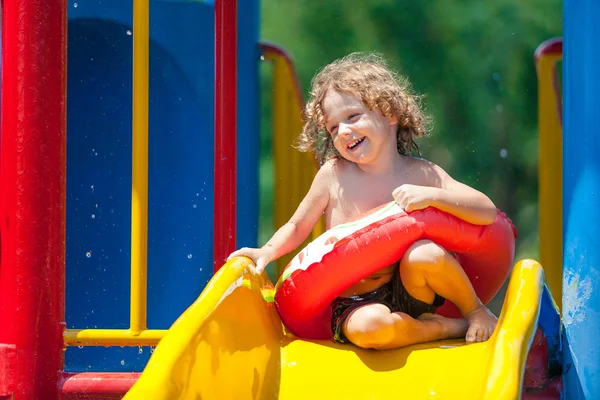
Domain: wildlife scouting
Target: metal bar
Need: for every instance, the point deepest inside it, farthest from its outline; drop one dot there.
(139, 178)
(225, 131)
(33, 194)
(547, 55)
(281, 150)
(112, 337)
(87, 385)
(293, 171)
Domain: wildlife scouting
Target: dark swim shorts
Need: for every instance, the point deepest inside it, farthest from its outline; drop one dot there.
(392, 294)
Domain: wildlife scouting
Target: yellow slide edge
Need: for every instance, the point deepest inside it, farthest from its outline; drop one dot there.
(230, 344)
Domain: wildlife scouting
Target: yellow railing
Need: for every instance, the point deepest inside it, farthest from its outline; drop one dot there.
(293, 170)
(137, 334)
(547, 56)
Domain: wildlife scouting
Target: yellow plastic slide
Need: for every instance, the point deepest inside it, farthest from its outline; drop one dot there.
(231, 344)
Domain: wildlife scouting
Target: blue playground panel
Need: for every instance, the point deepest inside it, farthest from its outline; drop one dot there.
(181, 125)
(581, 197)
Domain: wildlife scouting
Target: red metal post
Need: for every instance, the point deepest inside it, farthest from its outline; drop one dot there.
(225, 130)
(32, 195)
(96, 385)
(554, 47)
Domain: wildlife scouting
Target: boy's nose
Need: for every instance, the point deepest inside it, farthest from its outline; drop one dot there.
(344, 129)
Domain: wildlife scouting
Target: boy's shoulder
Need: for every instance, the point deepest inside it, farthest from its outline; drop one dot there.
(325, 172)
(336, 167)
(335, 164)
(420, 162)
(421, 167)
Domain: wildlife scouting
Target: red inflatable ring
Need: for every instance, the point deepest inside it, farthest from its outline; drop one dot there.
(348, 253)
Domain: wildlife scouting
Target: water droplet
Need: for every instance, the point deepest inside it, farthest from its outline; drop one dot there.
(197, 194)
(262, 58)
(200, 269)
(129, 33)
(93, 216)
(80, 347)
(140, 350)
(189, 256)
(88, 254)
(496, 76)
(152, 349)
(195, 206)
(122, 362)
(75, 5)
(503, 153)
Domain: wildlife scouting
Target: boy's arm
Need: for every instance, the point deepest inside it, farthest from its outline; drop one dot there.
(463, 201)
(438, 189)
(296, 230)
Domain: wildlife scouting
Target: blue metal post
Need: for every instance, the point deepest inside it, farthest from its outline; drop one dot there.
(581, 199)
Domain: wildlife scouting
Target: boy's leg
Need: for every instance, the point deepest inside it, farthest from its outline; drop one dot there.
(427, 269)
(374, 326)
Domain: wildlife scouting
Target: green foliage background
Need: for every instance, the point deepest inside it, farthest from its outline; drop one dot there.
(473, 61)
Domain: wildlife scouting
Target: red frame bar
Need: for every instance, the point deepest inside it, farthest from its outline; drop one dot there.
(101, 385)
(32, 200)
(552, 46)
(225, 131)
(271, 48)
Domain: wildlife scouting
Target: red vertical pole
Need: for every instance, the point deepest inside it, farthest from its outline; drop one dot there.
(32, 200)
(225, 130)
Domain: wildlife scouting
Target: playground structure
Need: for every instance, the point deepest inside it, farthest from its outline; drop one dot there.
(48, 183)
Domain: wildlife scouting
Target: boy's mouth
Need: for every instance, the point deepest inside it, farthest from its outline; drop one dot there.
(355, 143)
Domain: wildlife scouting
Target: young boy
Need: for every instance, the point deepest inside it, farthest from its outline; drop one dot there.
(361, 121)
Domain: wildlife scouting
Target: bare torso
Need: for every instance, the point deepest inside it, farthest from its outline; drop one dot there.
(353, 193)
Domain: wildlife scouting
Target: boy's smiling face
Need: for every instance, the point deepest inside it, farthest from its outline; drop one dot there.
(359, 134)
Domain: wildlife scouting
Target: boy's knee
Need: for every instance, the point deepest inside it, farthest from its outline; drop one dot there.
(370, 327)
(424, 253)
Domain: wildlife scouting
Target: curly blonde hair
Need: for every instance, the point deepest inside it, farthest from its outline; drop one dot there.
(367, 76)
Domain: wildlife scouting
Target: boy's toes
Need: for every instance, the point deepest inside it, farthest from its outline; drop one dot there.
(478, 333)
(487, 334)
(471, 335)
(490, 331)
(481, 325)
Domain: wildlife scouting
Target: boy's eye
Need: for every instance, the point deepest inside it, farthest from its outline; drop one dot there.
(333, 129)
(353, 116)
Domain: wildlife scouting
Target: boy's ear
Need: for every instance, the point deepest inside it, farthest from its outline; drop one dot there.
(393, 120)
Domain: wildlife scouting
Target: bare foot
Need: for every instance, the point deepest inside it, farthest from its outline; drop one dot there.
(453, 327)
(481, 324)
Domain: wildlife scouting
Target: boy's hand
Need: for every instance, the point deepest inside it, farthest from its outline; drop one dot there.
(413, 197)
(261, 257)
